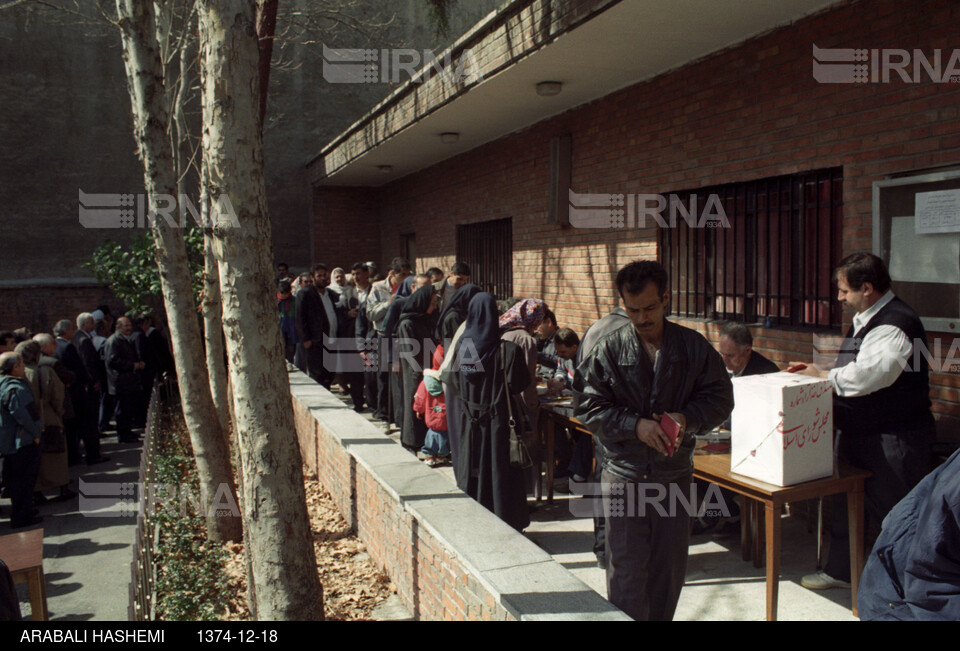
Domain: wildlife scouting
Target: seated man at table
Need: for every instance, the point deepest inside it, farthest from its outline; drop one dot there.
(638, 381)
(881, 402)
(741, 360)
(736, 349)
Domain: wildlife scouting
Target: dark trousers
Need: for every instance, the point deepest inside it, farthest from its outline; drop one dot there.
(316, 368)
(108, 405)
(126, 412)
(20, 472)
(898, 463)
(396, 399)
(646, 553)
(71, 431)
(88, 414)
(143, 401)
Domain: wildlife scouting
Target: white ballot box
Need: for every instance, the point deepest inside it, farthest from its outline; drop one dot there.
(782, 428)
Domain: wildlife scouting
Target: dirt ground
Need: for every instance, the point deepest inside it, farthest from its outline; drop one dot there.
(352, 583)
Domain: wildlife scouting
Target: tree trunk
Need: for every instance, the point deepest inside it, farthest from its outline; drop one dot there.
(212, 322)
(275, 514)
(150, 117)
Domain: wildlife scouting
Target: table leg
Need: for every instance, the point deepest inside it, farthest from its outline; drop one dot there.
(773, 558)
(746, 526)
(855, 523)
(551, 429)
(38, 600)
(756, 516)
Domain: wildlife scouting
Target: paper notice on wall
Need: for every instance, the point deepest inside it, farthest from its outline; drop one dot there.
(920, 258)
(938, 212)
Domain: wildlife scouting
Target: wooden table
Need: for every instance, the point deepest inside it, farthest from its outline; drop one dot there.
(547, 423)
(23, 554)
(715, 468)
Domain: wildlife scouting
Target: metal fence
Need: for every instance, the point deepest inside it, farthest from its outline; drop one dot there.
(143, 572)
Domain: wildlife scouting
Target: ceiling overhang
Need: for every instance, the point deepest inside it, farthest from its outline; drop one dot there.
(616, 45)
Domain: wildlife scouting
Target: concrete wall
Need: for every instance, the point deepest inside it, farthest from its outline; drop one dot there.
(449, 557)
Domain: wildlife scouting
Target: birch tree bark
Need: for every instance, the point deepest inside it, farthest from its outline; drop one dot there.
(275, 515)
(145, 80)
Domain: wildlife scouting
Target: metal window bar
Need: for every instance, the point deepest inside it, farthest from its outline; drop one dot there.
(776, 262)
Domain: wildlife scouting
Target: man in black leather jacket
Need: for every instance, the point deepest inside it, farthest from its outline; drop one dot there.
(632, 378)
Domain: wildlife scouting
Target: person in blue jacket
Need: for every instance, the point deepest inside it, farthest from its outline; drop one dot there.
(913, 572)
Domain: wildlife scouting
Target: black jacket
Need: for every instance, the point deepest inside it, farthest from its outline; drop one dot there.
(92, 363)
(120, 355)
(619, 388)
(312, 322)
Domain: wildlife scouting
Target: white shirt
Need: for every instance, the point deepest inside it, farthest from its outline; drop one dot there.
(883, 355)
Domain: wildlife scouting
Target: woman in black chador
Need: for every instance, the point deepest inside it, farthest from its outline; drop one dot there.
(483, 464)
(414, 345)
(453, 314)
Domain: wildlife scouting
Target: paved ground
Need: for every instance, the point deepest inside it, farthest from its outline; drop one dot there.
(86, 559)
(719, 586)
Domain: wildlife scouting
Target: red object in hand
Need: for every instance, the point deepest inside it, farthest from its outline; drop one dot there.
(672, 429)
(796, 368)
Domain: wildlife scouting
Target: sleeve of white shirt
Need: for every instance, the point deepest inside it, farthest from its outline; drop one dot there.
(883, 356)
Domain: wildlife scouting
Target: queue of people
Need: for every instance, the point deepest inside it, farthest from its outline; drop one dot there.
(59, 392)
(471, 400)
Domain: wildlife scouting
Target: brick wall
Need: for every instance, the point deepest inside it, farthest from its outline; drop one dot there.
(749, 112)
(449, 557)
(39, 308)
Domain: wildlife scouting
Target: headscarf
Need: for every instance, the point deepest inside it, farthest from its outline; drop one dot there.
(480, 339)
(336, 287)
(458, 303)
(396, 308)
(526, 314)
(418, 303)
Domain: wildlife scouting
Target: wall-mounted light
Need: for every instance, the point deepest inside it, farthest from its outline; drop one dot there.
(549, 88)
(449, 137)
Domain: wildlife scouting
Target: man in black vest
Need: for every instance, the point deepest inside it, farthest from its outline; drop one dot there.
(881, 402)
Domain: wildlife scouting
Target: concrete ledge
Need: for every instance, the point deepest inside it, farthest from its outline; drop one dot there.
(449, 557)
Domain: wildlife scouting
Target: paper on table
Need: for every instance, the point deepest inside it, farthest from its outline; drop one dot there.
(923, 258)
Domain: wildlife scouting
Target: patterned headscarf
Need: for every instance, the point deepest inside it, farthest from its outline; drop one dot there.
(526, 314)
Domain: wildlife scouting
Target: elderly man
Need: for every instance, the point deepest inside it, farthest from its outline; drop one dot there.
(736, 349)
(378, 304)
(76, 390)
(88, 408)
(123, 381)
(640, 385)
(881, 402)
(20, 429)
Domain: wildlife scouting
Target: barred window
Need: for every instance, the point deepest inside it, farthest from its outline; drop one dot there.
(775, 260)
(488, 248)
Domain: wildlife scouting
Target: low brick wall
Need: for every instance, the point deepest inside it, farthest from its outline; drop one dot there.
(449, 557)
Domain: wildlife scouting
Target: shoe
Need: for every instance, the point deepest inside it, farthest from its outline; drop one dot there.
(26, 523)
(602, 561)
(66, 495)
(433, 462)
(96, 460)
(423, 456)
(39, 498)
(822, 581)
